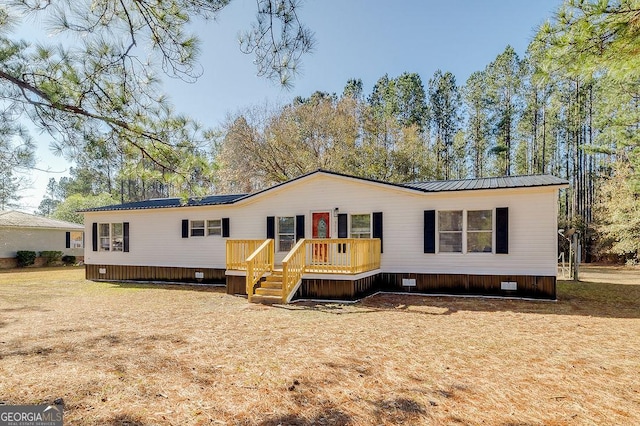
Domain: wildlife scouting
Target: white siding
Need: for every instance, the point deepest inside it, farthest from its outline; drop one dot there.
(155, 234)
(34, 239)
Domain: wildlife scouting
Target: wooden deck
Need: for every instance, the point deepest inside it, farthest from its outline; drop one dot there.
(344, 256)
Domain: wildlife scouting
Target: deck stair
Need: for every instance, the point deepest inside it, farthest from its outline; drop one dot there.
(270, 290)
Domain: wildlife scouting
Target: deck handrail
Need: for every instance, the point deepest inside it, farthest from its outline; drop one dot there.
(238, 251)
(293, 267)
(258, 263)
(343, 255)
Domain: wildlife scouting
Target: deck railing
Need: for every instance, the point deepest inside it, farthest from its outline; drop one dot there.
(293, 267)
(259, 263)
(238, 251)
(342, 256)
(323, 256)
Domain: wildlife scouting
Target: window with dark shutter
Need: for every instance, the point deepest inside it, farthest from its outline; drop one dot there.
(225, 227)
(343, 232)
(94, 236)
(299, 227)
(67, 243)
(125, 237)
(377, 228)
(185, 228)
(271, 227)
(429, 231)
(502, 230)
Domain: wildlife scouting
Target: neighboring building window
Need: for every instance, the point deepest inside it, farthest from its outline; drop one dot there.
(479, 231)
(104, 236)
(117, 237)
(360, 226)
(76, 239)
(214, 227)
(286, 233)
(197, 228)
(450, 231)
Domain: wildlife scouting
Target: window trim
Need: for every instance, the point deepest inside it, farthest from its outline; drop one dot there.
(71, 240)
(278, 234)
(461, 231)
(370, 232)
(210, 227)
(193, 228)
(465, 232)
(111, 246)
(101, 246)
(115, 247)
(477, 231)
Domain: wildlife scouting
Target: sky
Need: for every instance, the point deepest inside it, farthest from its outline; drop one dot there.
(354, 39)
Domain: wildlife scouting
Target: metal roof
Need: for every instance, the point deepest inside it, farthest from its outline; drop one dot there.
(158, 203)
(433, 186)
(487, 183)
(16, 219)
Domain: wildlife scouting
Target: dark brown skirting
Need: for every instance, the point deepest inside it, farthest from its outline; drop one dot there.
(236, 284)
(154, 273)
(537, 287)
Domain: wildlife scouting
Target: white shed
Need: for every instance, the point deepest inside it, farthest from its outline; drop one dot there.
(24, 231)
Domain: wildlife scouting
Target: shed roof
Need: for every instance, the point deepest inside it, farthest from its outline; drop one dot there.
(16, 219)
(427, 187)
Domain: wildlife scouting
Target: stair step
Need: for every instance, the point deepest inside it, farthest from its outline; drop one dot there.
(262, 291)
(266, 300)
(271, 284)
(274, 277)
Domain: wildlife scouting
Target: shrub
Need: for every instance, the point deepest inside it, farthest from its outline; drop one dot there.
(51, 257)
(25, 258)
(69, 260)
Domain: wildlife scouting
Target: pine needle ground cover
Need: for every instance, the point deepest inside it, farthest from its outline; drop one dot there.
(137, 354)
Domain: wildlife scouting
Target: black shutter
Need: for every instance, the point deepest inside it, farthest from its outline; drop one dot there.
(343, 231)
(271, 227)
(67, 242)
(225, 227)
(125, 235)
(185, 228)
(377, 228)
(429, 231)
(502, 230)
(299, 227)
(94, 236)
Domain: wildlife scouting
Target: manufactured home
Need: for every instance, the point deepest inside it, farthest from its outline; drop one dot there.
(326, 235)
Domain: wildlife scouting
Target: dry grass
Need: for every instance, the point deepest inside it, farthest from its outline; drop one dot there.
(143, 355)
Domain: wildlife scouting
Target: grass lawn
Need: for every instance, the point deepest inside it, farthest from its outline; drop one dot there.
(124, 354)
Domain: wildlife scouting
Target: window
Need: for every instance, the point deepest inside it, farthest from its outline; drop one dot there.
(286, 233)
(104, 236)
(197, 228)
(479, 231)
(214, 227)
(117, 237)
(360, 226)
(450, 231)
(76, 239)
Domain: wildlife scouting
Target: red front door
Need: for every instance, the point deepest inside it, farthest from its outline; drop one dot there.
(320, 228)
(321, 225)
